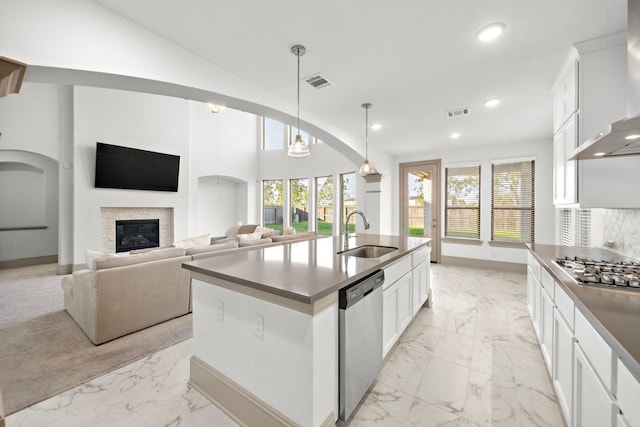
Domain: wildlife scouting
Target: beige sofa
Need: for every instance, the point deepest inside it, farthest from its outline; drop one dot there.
(121, 295)
(118, 295)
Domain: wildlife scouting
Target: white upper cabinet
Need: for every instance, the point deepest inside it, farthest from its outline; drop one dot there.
(598, 69)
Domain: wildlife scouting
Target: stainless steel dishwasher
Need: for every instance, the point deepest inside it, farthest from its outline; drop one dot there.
(360, 331)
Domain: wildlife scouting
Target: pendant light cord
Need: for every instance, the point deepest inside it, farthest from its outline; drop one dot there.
(366, 133)
(298, 55)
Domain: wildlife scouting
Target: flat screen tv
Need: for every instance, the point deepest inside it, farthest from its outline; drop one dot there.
(130, 168)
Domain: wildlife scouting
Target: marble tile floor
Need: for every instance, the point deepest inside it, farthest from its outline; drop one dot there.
(470, 360)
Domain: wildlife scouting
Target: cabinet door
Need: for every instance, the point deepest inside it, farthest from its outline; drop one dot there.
(562, 372)
(535, 317)
(592, 405)
(420, 285)
(546, 328)
(628, 395)
(405, 306)
(565, 171)
(531, 293)
(389, 318)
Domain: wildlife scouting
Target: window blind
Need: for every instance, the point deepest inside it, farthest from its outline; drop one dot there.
(512, 202)
(462, 215)
(575, 227)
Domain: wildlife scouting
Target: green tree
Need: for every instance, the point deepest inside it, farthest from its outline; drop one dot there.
(273, 192)
(325, 192)
(299, 192)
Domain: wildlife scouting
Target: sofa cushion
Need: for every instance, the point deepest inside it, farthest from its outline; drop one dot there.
(213, 248)
(112, 262)
(248, 237)
(268, 232)
(193, 242)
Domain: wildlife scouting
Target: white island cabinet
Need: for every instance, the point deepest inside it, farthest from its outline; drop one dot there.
(266, 324)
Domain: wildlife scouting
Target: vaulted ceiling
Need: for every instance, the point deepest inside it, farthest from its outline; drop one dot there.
(414, 60)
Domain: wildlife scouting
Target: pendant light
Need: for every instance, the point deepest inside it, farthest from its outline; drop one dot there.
(299, 148)
(366, 168)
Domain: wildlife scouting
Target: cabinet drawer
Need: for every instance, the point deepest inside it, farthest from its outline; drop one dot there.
(595, 349)
(547, 283)
(396, 270)
(565, 305)
(419, 256)
(628, 395)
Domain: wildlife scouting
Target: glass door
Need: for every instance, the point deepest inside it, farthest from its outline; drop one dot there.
(420, 202)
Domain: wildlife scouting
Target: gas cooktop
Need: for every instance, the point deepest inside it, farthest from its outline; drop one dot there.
(624, 275)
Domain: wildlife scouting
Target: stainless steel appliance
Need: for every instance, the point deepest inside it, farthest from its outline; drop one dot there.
(360, 332)
(621, 274)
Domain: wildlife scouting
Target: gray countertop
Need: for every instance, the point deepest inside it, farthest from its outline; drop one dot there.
(304, 271)
(615, 314)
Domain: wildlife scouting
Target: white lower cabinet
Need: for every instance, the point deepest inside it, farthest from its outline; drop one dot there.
(562, 372)
(593, 406)
(406, 288)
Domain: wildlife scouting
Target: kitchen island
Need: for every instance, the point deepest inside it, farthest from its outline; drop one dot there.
(265, 325)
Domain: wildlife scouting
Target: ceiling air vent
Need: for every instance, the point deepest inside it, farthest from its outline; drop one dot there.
(458, 112)
(317, 81)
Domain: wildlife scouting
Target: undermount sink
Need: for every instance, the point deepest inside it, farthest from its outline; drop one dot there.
(368, 251)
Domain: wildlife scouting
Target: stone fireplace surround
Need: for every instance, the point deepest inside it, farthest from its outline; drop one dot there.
(109, 216)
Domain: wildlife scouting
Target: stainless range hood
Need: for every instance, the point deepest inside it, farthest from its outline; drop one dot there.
(621, 138)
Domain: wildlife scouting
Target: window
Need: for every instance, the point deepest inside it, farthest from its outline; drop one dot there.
(575, 227)
(462, 215)
(299, 195)
(305, 136)
(324, 205)
(272, 198)
(274, 134)
(348, 192)
(512, 202)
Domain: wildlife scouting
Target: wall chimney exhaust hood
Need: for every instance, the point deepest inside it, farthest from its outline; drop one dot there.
(621, 138)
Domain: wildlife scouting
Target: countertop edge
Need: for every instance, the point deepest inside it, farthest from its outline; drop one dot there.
(310, 300)
(627, 358)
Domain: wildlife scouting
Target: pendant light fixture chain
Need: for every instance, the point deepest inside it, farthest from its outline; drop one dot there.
(298, 148)
(298, 50)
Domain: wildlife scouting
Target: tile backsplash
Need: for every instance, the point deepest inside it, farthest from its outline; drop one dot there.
(618, 229)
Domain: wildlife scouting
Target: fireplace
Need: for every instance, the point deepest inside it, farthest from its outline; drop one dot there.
(137, 234)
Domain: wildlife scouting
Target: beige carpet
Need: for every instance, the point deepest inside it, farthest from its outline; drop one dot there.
(43, 351)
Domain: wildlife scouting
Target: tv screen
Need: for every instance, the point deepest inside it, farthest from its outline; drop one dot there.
(130, 168)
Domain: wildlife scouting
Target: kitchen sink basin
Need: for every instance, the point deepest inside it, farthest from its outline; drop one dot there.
(368, 251)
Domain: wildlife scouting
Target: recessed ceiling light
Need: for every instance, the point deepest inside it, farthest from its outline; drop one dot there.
(376, 126)
(490, 32)
(493, 102)
(600, 154)
(631, 137)
(455, 135)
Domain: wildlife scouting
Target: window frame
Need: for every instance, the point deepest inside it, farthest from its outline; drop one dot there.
(264, 224)
(291, 206)
(317, 203)
(343, 215)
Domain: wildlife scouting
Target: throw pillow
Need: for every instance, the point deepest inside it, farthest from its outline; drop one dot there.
(194, 242)
(289, 231)
(249, 237)
(233, 230)
(248, 228)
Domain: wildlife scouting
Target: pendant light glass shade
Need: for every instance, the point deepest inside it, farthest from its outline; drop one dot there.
(366, 168)
(299, 148)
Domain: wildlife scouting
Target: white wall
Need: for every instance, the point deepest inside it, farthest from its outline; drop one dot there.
(32, 130)
(148, 122)
(223, 147)
(545, 214)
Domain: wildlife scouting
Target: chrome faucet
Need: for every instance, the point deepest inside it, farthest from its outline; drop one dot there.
(346, 226)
